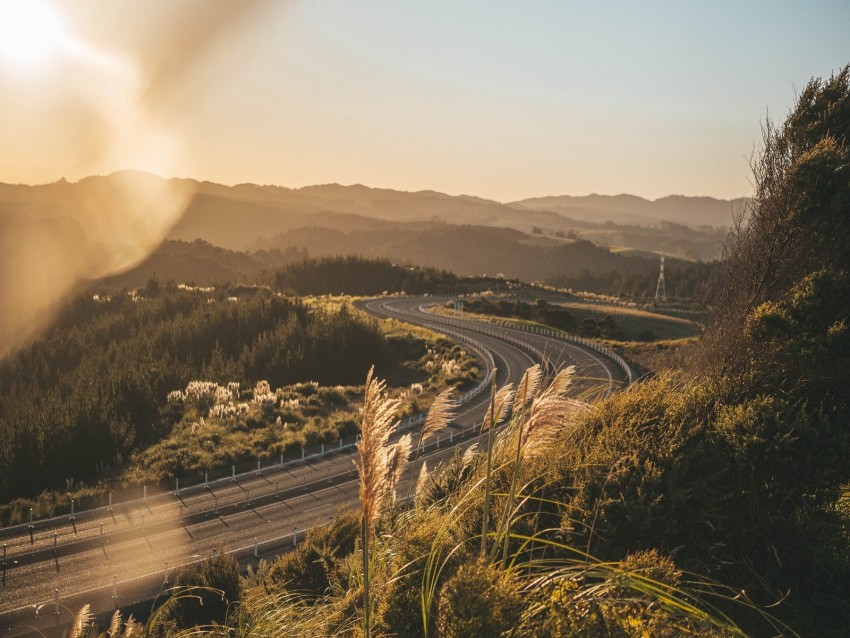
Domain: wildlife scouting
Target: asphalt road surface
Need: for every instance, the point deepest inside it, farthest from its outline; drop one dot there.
(125, 555)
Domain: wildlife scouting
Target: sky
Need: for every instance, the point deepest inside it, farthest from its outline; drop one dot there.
(504, 100)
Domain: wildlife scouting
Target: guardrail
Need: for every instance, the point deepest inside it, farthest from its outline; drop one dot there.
(543, 331)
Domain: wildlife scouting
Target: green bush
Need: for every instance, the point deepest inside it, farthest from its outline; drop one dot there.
(314, 566)
(204, 594)
(479, 600)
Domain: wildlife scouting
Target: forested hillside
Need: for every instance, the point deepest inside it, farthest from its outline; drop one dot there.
(357, 276)
(684, 281)
(93, 386)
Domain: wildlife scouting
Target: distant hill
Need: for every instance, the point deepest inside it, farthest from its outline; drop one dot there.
(200, 263)
(463, 250)
(633, 210)
(245, 216)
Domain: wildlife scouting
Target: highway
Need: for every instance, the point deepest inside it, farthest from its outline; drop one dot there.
(125, 555)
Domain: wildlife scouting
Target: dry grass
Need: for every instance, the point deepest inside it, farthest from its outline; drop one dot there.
(635, 321)
(440, 414)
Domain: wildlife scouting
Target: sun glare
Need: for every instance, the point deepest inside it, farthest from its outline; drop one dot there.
(30, 32)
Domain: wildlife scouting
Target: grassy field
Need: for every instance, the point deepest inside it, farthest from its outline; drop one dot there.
(634, 324)
(635, 321)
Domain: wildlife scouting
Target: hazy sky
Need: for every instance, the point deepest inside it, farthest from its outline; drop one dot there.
(498, 99)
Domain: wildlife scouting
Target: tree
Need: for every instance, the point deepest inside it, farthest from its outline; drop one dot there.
(798, 221)
(781, 335)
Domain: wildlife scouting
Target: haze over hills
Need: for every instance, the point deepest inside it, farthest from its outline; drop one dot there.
(244, 216)
(631, 210)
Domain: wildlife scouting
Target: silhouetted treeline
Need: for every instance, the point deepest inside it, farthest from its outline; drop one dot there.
(93, 386)
(358, 276)
(686, 282)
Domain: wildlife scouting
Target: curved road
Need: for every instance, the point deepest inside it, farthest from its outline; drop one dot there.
(125, 555)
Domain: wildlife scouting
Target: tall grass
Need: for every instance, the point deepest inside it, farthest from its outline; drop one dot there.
(378, 468)
(531, 581)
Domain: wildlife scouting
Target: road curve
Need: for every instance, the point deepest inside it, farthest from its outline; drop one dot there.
(124, 555)
(598, 372)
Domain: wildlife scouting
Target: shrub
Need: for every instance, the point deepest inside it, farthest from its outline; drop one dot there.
(479, 600)
(206, 591)
(311, 568)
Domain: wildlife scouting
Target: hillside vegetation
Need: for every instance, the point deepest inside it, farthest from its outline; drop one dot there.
(93, 389)
(622, 518)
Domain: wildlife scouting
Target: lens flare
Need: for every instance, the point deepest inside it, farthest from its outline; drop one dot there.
(31, 32)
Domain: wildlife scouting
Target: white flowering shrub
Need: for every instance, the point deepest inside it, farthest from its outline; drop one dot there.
(262, 387)
(450, 367)
(290, 404)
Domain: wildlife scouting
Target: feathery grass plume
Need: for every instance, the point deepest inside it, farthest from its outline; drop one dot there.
(500, 405)
(397, 458)
(81, 621)
(562, 381)
(131, 627)
(548, 422)
(423, 476)
(490, 421)
(549, 411)
(376, 426)
(114, 625)
(468, 457)
(529, 385)
(440, 414)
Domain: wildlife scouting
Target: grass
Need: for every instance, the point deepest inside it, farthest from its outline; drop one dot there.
(423, 567)
(636, 321)
(635, 324)
(670, 355)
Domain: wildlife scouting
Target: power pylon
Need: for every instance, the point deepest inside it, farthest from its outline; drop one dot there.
(660, 290)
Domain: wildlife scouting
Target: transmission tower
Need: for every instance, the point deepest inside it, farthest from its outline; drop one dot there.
(660, 290)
